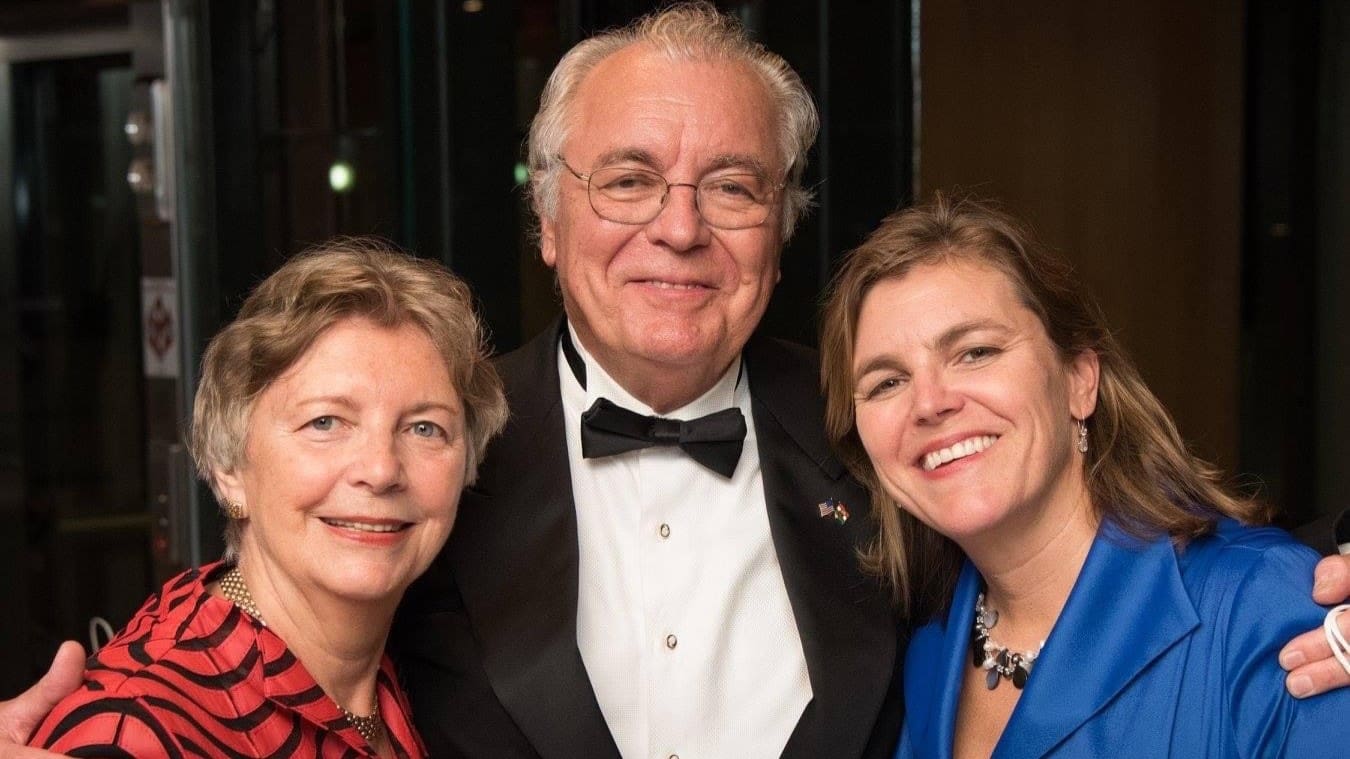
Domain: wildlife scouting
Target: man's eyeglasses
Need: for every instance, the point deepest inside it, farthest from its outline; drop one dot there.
(726, 200)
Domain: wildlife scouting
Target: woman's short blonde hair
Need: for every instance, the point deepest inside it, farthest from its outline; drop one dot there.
(1138, 470)
(340, 279)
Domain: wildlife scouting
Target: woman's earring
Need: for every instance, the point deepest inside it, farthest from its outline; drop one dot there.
(1082, 436)
(234, 510)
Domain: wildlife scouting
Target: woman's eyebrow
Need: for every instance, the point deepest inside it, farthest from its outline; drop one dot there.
(344, 401)
(957, 332)
(883, 361)
(426, 406)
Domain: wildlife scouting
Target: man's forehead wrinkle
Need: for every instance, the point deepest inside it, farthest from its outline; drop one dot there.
(646, 158)
(626, 155)
(641, 136)
(738, 161)
(633, 109)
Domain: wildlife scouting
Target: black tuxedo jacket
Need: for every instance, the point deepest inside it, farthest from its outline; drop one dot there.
(486, 639)
(1326, 533)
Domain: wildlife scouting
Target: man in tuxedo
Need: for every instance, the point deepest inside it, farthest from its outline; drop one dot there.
(617, 584)
(696, 592)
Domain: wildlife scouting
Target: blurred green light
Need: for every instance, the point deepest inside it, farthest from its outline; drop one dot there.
(522, 174)
(341, 177)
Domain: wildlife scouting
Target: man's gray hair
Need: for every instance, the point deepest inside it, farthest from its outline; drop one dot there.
(687, 31)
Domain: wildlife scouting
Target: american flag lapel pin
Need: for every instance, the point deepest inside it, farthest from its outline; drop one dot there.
(832, 508)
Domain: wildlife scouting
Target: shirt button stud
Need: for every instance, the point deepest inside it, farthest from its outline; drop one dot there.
(664, 531)
(672, 642)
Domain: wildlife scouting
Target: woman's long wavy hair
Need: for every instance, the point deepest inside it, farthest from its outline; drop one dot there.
(1138, 470)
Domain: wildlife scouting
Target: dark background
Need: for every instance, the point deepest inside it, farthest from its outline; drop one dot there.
(1192, 159)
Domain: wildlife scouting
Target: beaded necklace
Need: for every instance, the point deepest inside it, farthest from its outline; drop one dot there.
(234, 589)
(999, 662)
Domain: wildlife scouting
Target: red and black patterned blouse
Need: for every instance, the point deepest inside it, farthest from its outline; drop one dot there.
(192, 675)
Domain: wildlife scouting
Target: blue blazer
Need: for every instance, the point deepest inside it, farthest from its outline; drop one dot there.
(1158, 652)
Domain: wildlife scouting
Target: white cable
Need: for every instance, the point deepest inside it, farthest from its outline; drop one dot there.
(100, 625)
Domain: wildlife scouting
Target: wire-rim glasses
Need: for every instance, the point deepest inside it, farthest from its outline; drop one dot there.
(735, 199)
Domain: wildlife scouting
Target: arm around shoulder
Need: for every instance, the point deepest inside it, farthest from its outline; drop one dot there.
(1271, 604)
(20, 715)
(106, 726)
(1308, 657)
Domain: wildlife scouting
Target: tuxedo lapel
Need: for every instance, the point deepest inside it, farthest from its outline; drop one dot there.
(848, 633)
(514, 556)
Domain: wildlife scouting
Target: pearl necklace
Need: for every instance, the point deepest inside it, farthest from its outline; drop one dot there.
(987, 654)
(235, 590)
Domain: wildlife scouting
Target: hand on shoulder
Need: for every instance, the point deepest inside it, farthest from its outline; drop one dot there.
(1307, 658)
(20, 715)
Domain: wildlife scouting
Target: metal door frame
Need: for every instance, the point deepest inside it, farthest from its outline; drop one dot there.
(15, 50)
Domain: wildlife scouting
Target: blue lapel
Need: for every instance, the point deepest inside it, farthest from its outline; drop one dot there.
(937, 714)
(1127, 608)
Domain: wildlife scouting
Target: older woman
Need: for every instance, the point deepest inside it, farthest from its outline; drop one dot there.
(1092, 588)
(337, 420)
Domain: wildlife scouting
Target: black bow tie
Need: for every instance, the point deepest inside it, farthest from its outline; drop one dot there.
(714, 440)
